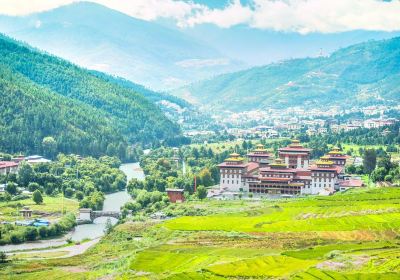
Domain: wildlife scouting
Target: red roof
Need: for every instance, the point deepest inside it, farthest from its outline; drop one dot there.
(283, 170)
(230, 165)
(351, 183)
(338, 157)
(292, 149)
(259, 155)
(7, 164)
(335, 168)
(275, 179)
(252, 166)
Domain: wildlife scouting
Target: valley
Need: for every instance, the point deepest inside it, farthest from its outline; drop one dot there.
(175, 140)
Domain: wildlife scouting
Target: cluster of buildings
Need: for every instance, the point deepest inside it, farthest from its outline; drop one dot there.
(273, 123)
(292, 173)
(11, 167)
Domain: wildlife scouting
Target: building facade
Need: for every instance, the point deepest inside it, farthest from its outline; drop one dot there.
(295, 155)
(7, 167)
(290, 174)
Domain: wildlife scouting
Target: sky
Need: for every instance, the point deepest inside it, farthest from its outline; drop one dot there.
(294, 16)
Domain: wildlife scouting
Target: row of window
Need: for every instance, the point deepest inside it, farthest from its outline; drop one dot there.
(228, 176)
(228, 182)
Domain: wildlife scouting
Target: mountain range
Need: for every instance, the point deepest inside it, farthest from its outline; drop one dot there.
(99, 38)
(86, 112)
(362, 74)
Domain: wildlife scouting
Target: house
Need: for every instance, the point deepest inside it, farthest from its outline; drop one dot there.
(36, 159)
(8, 167)
(175, 195)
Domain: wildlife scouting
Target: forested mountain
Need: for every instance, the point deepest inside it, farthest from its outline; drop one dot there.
(361, 74)
(99, 38)
(42, 95)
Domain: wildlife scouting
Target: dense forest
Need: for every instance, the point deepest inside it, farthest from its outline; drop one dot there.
(44, 96)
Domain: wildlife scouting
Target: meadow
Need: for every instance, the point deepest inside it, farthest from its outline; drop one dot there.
(51, 207)
(351, 235)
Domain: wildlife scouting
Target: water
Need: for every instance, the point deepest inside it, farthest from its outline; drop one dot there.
(112, 202)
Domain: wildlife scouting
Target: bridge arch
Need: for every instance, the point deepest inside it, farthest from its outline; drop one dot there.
(87, 214)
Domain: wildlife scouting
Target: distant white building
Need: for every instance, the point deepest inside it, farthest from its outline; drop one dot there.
(36, 159)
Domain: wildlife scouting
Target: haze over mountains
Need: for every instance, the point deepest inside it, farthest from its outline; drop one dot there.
(159, 54)
(362, 74)
(99, 38)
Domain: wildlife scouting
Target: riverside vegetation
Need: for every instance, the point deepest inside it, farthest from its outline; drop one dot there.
(66, 184)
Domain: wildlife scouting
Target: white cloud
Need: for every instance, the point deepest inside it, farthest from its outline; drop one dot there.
(305, 16)
(302, 16)
(233, 14)
(24, 7)
(200, 63)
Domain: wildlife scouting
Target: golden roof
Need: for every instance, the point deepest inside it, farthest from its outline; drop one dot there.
(236, 159)
(234, 155)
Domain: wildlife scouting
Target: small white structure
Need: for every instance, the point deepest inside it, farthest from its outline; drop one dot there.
(85, 214)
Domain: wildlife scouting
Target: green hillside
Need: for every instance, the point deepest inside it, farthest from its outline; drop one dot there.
(46, 96)
(366, 73)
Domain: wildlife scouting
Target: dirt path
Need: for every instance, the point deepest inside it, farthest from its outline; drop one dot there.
(72, 250)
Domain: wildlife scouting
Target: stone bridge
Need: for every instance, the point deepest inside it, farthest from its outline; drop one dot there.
(87, 214)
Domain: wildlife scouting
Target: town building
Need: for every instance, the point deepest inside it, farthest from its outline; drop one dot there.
(8, 167)
(337, 156)
(232, 170)
(260, 154)
(36, 159)
(295, 155)
(176, 195)
(324, 176)
(276, 179)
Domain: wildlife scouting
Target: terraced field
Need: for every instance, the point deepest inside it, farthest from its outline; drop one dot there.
(354, 235)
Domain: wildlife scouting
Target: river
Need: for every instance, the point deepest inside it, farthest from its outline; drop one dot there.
(112, 202)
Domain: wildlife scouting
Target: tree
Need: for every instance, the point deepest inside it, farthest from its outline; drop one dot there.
(25, 174)
(7, 197)
(201, 192)
(109, 227)
(49, 146)
(11, 188)
(33, 186)
(69, 192)
(37, 197)
(31, 233)
(3, 257)
(369, 160)
(205, 177)
(79, 195)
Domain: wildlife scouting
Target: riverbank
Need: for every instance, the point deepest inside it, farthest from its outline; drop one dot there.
(93, 231)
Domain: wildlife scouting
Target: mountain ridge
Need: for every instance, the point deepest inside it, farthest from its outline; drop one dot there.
(106, 40)
(362, 73)
(96, 116)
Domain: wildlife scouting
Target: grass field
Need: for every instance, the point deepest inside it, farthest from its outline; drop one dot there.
(51, 206)
(352, 235)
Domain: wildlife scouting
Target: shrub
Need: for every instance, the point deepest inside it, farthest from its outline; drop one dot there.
(43, 232)
(30, 233)
(16, 238)
(37, 197)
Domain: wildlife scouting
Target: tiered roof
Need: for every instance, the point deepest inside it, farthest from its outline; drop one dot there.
(337, 153)
(325, 164)
(295, 146)
(259, 151)
(234, 160)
